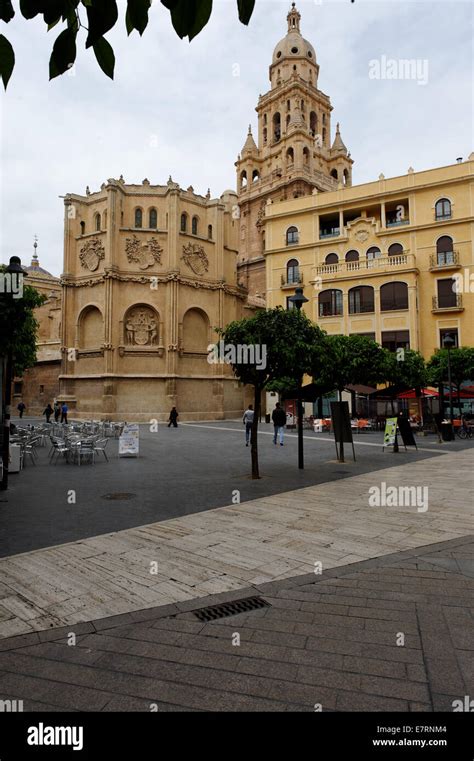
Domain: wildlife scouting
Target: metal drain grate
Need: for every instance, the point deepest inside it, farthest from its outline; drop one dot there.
(119, 495)
(231, 608)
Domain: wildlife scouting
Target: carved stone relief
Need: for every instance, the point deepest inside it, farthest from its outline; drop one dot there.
(145, 253)
(141, 327)
(91, 254)
(195, 257)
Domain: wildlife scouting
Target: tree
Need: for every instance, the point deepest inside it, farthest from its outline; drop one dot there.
(404, 367)
(348, 361)
(462, 367)
(97, 17)
(289, 343)
(18, 327)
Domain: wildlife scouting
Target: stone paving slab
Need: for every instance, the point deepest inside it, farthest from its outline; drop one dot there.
(289, 656)
(238, 548)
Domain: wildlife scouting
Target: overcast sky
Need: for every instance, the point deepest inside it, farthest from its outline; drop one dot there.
(178, 108)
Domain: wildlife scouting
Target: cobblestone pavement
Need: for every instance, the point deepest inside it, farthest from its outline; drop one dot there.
(389, 634)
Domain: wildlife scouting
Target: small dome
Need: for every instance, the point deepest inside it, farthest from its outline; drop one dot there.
(293, 44)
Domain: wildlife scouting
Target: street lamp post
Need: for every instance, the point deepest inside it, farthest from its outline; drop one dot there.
(448, 343)
(298, 300)
(14, 268)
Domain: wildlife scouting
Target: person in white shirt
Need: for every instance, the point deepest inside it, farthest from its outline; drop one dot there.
(248, 421)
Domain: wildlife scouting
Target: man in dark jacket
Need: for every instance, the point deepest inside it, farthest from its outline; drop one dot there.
(279, 422)
(173, 418)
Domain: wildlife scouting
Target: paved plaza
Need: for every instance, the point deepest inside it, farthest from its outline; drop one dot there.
(343, 578)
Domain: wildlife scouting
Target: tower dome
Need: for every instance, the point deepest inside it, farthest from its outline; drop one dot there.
(293, 45)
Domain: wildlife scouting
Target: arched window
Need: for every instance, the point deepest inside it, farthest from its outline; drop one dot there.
(291, 236)
(293, 271)
(395, 249)
(352, 256)
(444, 250)
(276, 127)
(184, 222)
(209, 232)
(443, 209)
(255, 175)
(243, 179)
(324, 135)
(334, 173)
(346, 177)
(264, 118)
(265, 136)
(393, 296)
(290, 156)
(302, 106)
(138, 218)
(97, 222)
(361, 299)
(330, 302)
(288, 119)
(313, 123)
(104, 220)
(373, 253)
(83, 228)
(153, 219)
(288, 105)
(306, 156)
(331, 259)
(194, 226)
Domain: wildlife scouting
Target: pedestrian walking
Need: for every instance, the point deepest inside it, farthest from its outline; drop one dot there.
(21, 408)
(48, 412)
(279, 422)
(173, 418)
(64, 411)
(248, 422)
(57, 411)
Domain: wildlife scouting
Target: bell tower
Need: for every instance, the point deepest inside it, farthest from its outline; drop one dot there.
(294, 154)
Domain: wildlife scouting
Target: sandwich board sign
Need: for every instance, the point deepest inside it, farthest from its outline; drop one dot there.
(390, 434)
(129, 440)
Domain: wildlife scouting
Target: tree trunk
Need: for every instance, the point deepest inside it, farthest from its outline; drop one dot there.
(254, 434)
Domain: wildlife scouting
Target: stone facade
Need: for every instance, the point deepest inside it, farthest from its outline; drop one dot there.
(149, 275)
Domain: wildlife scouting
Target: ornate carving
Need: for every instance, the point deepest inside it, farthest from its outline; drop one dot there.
(146, 253)
(361, 235)
(91, 254)
(260, 215)
(195, 257)
(141, 327)
(233, 290)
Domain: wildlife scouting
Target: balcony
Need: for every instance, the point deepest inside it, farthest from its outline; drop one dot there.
(396, 222)
(445, 260)
(292, 281)
(334, 232)
(451, 303)
(382, 263)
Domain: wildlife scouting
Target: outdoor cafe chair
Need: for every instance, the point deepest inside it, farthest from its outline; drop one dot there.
(85, 451)
(60, 449)
(100, 446)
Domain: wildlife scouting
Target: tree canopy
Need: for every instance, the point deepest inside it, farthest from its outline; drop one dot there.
(291, 346)
(462, 366)
(96, 18)
(18, 327)
(349, 360)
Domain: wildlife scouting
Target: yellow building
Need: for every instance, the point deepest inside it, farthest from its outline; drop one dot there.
(390, 259)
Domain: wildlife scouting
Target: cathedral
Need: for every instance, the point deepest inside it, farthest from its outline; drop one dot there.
(152, 272)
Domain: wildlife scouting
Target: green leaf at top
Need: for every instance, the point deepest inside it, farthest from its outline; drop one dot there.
(245, 8)
(6, 11)
(137, 15)
(102, 16)
(105, 56)
(188, 17)
(7, 60)
(64, 53)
